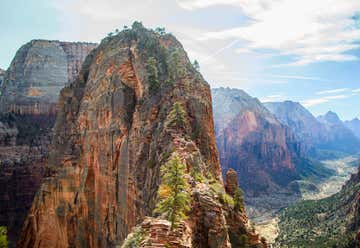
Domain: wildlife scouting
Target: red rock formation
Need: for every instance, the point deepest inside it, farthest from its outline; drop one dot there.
(28, 101)
(110, 141)
(231, 184)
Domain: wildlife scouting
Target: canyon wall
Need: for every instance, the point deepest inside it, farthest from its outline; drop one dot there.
(28, 100)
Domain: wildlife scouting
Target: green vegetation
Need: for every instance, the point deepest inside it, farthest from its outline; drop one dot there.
(151, 67)
(134, 240)
(3, 237)
(173, 192)
(196, 65)
(176, 118)
(160, 30)
(320, 223)
(239, 200)
(223, 197)
(175, 68)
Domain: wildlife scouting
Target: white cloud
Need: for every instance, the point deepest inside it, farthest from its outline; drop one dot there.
(273, 98)
(309, 31)
(356, 90)
(317, 101)
(334, 91)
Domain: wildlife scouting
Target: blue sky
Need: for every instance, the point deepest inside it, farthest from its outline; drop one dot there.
(306, 51)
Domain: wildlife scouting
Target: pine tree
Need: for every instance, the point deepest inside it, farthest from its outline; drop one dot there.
(196, 65)
(176, 119)
(173, 192)
(151, 67)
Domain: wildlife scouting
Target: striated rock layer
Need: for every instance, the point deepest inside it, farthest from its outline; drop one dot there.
(28, 110)
(40, 69)
(111, 138)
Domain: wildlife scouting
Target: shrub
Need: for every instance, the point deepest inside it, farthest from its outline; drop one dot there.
(3, 237)
(239, 200)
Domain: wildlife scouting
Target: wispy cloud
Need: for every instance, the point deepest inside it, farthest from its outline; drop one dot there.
(273, 98)
(333, 91)
(325, 99)
(308, 31)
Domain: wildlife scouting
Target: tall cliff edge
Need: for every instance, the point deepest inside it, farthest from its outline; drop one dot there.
(114, 134)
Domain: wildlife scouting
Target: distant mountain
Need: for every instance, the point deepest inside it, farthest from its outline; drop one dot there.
(321, 137)
(304, 125)
(263, 151)
(339, 136)
(329, 222)
(354, 126)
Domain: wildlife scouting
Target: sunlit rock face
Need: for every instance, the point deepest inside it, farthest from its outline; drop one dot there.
(111, 138)
(28, 99)
(264, 152)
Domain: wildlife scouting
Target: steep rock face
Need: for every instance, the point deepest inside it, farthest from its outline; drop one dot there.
(40, 69)
(252, 141)
(112, 135)
(304, 125)
(329, 222)
(28, 104)
(263, 151)
(354, 126)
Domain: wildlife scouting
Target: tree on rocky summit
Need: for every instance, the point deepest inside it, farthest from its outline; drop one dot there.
(196, 65)
(176, 118)
(173, 192)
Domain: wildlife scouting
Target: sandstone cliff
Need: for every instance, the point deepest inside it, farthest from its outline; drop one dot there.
(112, 136)
(28, 104)
(264, 152)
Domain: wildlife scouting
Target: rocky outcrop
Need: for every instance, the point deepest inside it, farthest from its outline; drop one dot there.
(265, 153)
(231, 183)
(114, 131)
(330, 222)
(28, 103)
(354, 126)
(320, 137)
(40, 69)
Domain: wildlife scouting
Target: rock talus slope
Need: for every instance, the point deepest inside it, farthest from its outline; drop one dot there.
(28, 101)
(111, 138)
